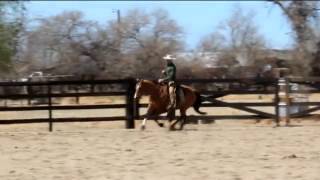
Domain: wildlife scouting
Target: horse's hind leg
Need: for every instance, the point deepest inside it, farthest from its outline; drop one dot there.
(171, 117)
(172, 125)
(183, 119)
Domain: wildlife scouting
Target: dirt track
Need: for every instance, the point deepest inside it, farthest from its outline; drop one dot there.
(224, 150)
(237, 150)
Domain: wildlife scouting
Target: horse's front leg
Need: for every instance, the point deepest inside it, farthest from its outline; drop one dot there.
(143, 124)
(148, 114)
(160, 124)
(151, 114)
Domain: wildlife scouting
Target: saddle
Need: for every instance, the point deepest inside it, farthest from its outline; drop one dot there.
(179, 91)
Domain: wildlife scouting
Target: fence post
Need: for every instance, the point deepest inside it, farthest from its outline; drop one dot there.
(92, 85)
(276, 101)
(50, 106)
(77, 96)
(29, 91)
(282, 97)
(284, 100)
(130, 104)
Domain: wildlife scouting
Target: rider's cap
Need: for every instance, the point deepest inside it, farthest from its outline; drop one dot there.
(168, 57)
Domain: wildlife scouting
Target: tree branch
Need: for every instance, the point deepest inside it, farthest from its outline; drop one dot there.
(284, 9)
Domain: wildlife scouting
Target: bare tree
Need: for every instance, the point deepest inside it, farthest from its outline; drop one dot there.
(66, 39)
(303, 17)
(69, 43)
(213, 42)
(237, 41)
(146, 38)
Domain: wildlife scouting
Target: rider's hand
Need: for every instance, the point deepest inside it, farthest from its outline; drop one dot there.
(160, 80)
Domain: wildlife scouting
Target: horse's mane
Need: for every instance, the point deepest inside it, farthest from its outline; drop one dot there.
(154, 81)
(158, 84)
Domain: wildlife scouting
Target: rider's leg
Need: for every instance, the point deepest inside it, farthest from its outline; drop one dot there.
(172, 95)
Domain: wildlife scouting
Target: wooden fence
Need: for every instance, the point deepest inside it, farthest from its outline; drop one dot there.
(126, 88)
(224, 87)
(311, 87)
(48, 93)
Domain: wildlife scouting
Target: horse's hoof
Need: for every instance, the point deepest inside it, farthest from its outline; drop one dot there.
(143, 127)
(161, 124)
(172, 129)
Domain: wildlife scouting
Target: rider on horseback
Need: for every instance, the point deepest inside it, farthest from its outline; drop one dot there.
(170, 78)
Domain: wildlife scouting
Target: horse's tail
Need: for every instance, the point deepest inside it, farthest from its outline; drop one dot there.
(196, 105)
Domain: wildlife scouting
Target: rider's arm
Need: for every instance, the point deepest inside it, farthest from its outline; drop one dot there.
(169, 74)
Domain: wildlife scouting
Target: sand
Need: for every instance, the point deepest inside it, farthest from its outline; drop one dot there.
(223, 150)
(227, 149)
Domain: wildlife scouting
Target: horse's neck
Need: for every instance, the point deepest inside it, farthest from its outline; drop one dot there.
(160, 94)
(152, 90)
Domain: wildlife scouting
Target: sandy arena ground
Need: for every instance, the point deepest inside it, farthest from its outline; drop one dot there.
(224, 150)
(231, 149)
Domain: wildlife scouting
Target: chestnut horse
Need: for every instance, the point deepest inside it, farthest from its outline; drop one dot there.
(159, 100)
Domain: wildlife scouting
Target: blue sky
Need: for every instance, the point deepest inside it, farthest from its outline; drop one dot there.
(198, 18)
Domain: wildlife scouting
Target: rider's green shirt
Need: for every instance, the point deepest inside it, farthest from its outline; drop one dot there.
(170, 73)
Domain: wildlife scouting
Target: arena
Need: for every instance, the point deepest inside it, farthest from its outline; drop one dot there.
(226, 149)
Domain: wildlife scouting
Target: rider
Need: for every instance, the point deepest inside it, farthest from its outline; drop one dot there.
(170, 78)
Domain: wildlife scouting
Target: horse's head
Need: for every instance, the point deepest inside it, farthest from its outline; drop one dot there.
(143, 87)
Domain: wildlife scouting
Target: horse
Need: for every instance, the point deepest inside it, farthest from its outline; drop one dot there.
(159, 100)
